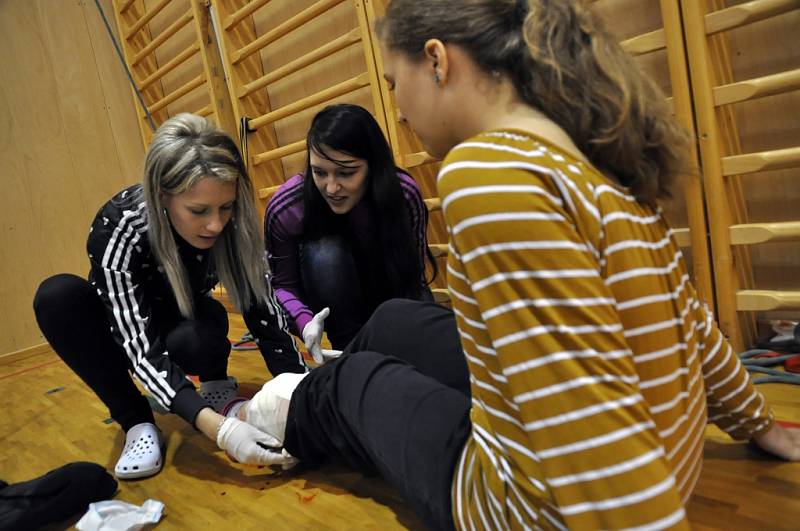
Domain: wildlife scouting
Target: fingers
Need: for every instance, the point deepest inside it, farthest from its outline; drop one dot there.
(316, 353)
(330, 354)
(323, 314)
(266, 440)
(274, 457)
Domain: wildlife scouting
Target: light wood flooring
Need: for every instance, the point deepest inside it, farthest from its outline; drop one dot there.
(50, 418)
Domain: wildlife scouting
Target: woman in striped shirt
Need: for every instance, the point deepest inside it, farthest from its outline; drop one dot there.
(593, 365)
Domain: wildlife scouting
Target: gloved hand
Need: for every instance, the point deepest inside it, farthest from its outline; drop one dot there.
(312, 334)
(331, 354)
(242, 442)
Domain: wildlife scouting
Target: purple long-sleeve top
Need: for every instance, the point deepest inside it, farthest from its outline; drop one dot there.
(283, 227)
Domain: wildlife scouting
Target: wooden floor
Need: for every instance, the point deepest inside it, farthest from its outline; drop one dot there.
(50, 419)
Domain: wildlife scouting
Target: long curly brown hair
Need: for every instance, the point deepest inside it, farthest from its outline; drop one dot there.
(564, 63)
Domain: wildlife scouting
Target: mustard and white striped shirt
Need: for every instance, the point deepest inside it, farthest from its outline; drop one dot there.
(593, 364)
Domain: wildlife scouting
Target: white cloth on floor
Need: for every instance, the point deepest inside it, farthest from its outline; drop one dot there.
(114, 515)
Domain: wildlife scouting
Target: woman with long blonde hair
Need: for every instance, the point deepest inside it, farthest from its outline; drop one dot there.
(156, 250)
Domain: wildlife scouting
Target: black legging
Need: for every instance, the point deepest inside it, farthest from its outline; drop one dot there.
(330, 279)
(378, 413)
(73, 319)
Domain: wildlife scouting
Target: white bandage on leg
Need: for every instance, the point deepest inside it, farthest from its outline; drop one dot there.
(141, 455)
(219, 392)
(269, 408)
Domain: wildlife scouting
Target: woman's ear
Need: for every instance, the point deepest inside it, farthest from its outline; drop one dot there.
(436, 57)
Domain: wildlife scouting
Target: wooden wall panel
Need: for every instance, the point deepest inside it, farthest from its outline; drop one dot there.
(68, 141)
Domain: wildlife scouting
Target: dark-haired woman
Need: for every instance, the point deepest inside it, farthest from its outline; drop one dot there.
(346, 234)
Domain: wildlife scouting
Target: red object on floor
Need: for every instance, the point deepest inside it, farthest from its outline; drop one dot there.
(788, 423)
(792, 364)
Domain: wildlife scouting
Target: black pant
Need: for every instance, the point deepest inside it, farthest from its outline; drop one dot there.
(378, 413)
(73, 319)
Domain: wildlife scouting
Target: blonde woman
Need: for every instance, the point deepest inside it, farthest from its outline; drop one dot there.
(156, 250)
(593, 365)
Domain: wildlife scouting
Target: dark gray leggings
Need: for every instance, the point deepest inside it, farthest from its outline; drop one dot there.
(330, 279)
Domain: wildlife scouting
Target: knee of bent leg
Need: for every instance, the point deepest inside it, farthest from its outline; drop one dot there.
(57, 294)
(393, 310)
(197, 348)
(329, 255)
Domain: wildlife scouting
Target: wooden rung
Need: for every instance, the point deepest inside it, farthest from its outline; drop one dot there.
(682, 237)
(243, 13)
(125, 4)
(417, 159)
(205, 111)
(170, 65)
(438, 249)
(441, 295)
(283, 151)
(162, 37)
(646, 43)
(147, 17)
(177, 94)
(350, 85)
(757, 88)
(747, 13)
(433, 204)
(284, 28)
(752, 233)
(766, 160)
(763, 300)
(264, 193)
(330, 48)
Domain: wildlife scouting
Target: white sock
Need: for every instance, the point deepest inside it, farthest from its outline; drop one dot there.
(141, 455)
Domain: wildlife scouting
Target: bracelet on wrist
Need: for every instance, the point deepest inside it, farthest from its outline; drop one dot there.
(219, 427)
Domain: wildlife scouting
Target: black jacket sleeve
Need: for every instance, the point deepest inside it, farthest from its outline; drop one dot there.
(119, 267)
(270, 328)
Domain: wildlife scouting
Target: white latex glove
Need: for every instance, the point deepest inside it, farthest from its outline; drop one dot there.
(330, 354)
(312, 334)
(242, 442)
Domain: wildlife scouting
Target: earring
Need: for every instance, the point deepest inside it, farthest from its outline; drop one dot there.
(437, 78)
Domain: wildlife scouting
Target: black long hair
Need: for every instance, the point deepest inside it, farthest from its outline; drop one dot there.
(392, 254)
